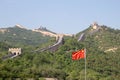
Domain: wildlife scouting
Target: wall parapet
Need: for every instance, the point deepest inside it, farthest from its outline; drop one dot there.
(15, 51)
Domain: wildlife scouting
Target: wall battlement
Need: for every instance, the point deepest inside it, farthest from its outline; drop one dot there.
(95, 25)
(15, 51)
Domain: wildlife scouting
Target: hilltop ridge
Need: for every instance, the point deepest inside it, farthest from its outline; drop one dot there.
(47, 32)
(18, 35)
(102, 37)
(20, 26)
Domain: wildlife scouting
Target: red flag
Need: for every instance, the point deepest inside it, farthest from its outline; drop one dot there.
(78, 55)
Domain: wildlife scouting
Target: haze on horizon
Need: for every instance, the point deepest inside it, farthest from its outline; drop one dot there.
(63, 16)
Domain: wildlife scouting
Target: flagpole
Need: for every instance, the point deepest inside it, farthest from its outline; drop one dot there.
(85, 63)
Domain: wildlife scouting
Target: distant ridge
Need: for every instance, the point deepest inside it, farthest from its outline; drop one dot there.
(101, 37)
(47, 32)
(18, 35)
(20, 26)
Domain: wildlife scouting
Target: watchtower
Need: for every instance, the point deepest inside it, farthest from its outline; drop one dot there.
(15, 51)
(95, 25)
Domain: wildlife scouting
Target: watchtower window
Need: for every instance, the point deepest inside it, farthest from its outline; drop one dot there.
(14, 53)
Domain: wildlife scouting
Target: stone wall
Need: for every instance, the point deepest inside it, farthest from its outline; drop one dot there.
(15, 51)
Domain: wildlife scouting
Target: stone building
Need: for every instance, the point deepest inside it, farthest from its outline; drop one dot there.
(95, 25)
(15, 51)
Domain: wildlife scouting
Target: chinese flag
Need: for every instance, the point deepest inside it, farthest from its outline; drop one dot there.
(78, 55)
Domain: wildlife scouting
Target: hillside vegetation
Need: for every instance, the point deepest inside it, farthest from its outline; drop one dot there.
(22, 37)
(101, 64)
(105, 39)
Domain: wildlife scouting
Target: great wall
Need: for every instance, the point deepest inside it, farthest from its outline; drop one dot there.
(95, 28)
(53, 47)
(14, 52)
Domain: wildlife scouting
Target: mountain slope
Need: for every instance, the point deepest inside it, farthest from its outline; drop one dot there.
(102, 38)
(21, 36)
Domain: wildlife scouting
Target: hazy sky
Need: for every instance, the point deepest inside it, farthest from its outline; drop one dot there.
(62, 16)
